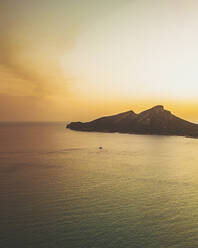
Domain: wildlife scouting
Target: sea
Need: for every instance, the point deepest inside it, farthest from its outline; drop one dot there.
(58, 189)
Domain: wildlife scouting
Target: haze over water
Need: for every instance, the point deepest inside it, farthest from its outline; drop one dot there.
(57, 189)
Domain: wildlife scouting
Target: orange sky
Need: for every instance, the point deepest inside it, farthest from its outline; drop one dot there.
(77, 60)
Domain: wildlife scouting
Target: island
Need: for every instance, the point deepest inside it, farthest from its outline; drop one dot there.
(156, 120)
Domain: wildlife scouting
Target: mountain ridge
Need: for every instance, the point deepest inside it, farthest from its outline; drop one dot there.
(155, 120)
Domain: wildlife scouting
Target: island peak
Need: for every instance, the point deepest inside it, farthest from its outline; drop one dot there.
(158, 107)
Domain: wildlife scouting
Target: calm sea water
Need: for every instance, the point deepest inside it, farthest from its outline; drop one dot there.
(57, 189)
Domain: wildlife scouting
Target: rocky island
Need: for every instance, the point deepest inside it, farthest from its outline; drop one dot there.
(156, 120)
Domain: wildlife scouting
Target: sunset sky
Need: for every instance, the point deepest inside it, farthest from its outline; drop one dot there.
(79, 59)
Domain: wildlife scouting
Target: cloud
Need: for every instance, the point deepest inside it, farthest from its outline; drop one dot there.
(11, 58)
(30, 60)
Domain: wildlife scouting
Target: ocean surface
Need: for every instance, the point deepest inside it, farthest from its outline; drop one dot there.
(58, 189)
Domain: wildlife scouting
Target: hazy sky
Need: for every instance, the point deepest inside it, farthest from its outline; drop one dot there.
(71, 60)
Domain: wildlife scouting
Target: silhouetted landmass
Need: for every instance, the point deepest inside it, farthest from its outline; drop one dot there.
(156, 120)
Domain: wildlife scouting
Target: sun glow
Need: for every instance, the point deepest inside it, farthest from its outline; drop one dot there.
(138, 51)
(81, 59)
